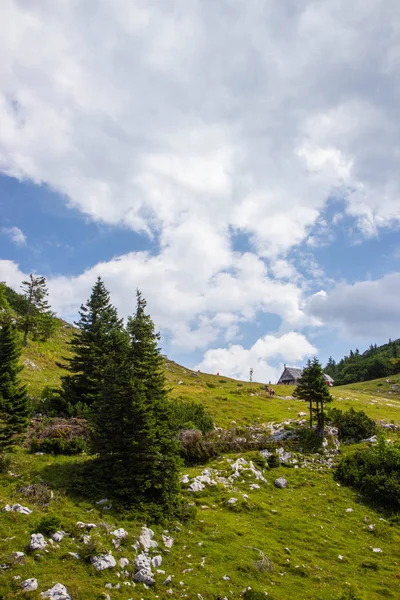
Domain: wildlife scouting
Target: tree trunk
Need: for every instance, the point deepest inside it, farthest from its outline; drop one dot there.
(310, 414)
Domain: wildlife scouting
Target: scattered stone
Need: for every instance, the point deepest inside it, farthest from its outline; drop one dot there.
(283, 455)
(6, 508)
(349, 510)
(74, 555)
(226, 578)
(18, 556)
(254, 486)
(146, 538)
(104, 561)
(168, 541)
(37, 542)
(232, 500)
(281, 482)
(340, 557)
(156, 561)
(377, 550)
(123, 562)
(371, 527)
(31, 365)
(196, 486)
(120, 534)
(23, 510)
(29, 585)
(102, 501)
(168, 580)
(142, 562)
(144, 576)
(58, 536)
(57, 592)
(185, 479)
(87, 526)
(302, 414)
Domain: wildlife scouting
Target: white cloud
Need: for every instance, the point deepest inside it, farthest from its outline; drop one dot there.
(16, 235)
(236, 361)
(366, 309)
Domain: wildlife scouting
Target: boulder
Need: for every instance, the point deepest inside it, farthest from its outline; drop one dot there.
(144, 576)
(120, 534)
(6, 508)
(57, 592)
(168, 541)
(104, 561)
(281, 482)
(29, 585)
(142, 561)
(37, 542)
(146, 538)
(196, 486)
(156, 561)
(58, 536)
(123, 562)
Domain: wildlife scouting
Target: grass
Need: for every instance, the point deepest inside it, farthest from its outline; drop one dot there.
(301, 529)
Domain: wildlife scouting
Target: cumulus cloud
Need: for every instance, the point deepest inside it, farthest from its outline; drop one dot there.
(366, 309)
(236, 361)
(16, 235)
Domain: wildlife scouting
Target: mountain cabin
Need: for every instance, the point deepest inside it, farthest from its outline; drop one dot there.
(291, 376)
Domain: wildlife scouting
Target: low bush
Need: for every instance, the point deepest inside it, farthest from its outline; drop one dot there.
(59, 436)
(353, 425)
(211, 385)
(38, 493)
(274, 462)
(190, 415)
(375, 471)
(307, 440)
(5, 463)
(49, 524)
(194, 450)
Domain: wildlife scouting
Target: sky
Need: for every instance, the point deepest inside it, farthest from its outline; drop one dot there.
(237, 162)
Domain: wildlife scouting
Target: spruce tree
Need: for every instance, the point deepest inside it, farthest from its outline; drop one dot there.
(133, 422)
(38, 318)
(14, 402)
(312, 388)
(92, 345)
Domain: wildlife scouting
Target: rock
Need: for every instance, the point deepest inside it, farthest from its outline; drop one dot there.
(232, 501)
(31, 365)
(58, 536)
(168, 580)
(120, 533)
(196, 486)
(37, 542)
(102, 501)
(340, 557)
(302, 414)
(349, 510)
(185, 479)
(377, 550)
(142, 561)
(104, 561)
(254, 486)
(87, 526)
(146, 538)
(29, 585)
(168, 541)
(57, 592)
(23, 510)
(226, 578)
(74, 555)
(283, 456)
(18, 556)
(144, 576)
(156, 561)
(123, 562)
(281, 482)
(6, 508)
(371, 527)
(372, 440)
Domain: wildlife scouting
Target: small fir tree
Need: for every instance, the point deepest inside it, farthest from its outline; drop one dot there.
(312, 388)
(92, 345)
(14, 402)
(39, 318)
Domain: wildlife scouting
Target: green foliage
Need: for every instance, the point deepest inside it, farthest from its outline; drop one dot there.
(375, 471)
(190, 415)
(210, 385)
(308, 440)
(37, 318)
(353, 425)
(350, 592)
(59, 446)
(274, 462)
(312, 388)
(194, 449)
(5, 463)
(49, 524)
(60, 436)
(251, 594)
(94, 344)
(14, 402)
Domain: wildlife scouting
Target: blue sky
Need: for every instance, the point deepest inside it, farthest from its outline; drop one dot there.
(241, 170)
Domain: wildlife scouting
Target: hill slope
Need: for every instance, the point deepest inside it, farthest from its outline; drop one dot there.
(301, 542)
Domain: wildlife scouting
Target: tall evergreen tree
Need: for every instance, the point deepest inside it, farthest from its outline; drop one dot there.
(312, 388)
(38, 318)
(133, 433)
(14, 402)
(92, 345)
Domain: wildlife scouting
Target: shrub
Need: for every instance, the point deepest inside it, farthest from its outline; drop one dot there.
(49, 524)
(5, 463)
(190, 415)
(274, 461)
(308, 440)
(38, 493)
(94, 547)
(193, 448)
(59, 436)
(375, 471)
(211, 385)
(352, 425)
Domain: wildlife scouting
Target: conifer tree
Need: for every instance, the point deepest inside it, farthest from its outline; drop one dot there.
(39, 318)
(92, 345)
(133, 433)
(14, 402)
(312, 388)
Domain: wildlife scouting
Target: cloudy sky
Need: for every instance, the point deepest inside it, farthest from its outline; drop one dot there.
(237, 161)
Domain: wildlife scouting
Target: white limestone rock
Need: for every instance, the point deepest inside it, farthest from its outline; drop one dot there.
(142, 561)
(281, 482)
(37, 542)
(156, 561)
(29, 585)
(144, 576)
(146, 538)
(57, 592)
(104, 561)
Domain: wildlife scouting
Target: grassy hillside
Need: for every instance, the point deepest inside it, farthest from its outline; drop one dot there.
(313, 547)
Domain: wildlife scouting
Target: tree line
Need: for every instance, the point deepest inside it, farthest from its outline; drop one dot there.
(377, 361)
